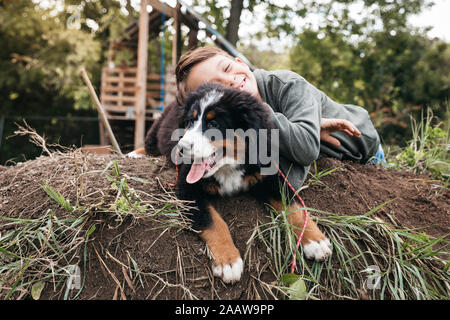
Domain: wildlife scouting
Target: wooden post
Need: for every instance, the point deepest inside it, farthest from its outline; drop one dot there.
(176, 40)
(141, 77)
(101, 111)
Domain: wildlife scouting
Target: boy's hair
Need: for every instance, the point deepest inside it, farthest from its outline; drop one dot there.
(187, 61)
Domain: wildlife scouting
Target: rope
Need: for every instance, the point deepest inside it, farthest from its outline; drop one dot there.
(300, 237)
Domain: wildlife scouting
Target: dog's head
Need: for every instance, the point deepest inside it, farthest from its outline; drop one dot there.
(221, 125)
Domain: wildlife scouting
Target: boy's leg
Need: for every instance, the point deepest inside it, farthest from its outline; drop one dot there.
(379, 157)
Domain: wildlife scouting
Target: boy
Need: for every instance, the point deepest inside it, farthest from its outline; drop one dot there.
(304, 115)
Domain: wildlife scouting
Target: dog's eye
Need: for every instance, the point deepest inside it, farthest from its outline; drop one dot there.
(212, 124)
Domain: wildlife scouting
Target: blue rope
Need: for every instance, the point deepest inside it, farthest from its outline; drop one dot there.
(162, 60)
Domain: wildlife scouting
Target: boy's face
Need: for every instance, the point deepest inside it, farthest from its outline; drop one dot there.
(229, 72)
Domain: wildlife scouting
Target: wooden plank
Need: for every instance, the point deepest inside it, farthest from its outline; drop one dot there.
(128, 72)
(116, 109)
(2, 123)
(150, 117)
(154, 76)
(154, 94)
(162, 7)
(141, 76)
(152, 86)
(108, 98)
(120, 79)
(107, 88)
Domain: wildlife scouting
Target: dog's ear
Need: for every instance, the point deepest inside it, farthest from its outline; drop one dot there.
(252, 112)
(184, 109)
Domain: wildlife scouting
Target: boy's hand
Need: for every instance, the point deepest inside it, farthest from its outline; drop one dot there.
(331, 125)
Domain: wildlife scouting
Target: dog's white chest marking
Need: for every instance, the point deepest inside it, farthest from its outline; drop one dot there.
(231, 180)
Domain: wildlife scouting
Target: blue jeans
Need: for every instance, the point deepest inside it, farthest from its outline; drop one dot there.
(379, 157)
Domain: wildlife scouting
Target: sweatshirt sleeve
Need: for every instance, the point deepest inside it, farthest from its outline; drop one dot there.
(298, 121)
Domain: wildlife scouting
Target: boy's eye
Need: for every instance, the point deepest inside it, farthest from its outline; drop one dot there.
(227, 67)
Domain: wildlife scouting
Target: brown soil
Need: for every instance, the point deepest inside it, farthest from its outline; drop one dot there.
(173, 261)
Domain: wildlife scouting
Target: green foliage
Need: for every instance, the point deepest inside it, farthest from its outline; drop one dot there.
(296, 286)
(265, 59)
(428, 150)
(213, 11)
(31, 241)
(376, 60)
(127, 200)
(57, 196)
(39, 69)
(410, 265)
(394, 72)
(40, 60)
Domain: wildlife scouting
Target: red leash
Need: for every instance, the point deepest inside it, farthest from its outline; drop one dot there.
(178, 171)
(300, 237)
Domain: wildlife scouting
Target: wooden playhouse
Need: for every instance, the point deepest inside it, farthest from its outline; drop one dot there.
(136, 92)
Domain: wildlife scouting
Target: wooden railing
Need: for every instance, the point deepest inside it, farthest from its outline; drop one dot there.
(118, 94)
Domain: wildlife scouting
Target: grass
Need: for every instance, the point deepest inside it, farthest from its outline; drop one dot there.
(427, 151)
(42, 250)
(38, 249)
(315, 178)
(407, 264)
(371, 259)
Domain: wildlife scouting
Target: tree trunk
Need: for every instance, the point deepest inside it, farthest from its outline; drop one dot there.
(234, 20)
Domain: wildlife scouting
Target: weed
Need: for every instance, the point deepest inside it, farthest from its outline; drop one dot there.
(428, 150)
(371, 259)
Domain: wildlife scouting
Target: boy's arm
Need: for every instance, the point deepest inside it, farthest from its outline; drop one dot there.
(298, 122)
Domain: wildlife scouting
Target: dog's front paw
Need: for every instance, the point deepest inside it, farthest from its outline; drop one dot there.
(229, 272)
(135, 155)
(318, 250)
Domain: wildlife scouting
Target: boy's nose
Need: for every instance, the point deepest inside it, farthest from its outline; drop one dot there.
(232, 81)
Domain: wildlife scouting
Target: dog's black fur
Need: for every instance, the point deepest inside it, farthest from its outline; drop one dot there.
(234, 110)
(157, 140)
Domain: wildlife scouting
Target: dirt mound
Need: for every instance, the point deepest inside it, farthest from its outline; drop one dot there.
(151, 253)
(417, 201)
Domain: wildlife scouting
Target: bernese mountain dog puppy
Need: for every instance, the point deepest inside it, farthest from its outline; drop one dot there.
(216, 157)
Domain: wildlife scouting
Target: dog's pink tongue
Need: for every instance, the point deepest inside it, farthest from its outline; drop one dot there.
(196, 173)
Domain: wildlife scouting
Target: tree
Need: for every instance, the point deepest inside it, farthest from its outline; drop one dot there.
(234, 21)
(39, 73)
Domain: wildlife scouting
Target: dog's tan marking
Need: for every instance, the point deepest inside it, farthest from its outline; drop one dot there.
(225, 254)
(211, 115)
(296, 218)
(211, 188)
(195, 114)
(253, 179)
(140, 151)
(238, 149)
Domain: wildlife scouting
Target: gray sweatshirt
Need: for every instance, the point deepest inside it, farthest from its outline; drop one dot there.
(296, 107)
